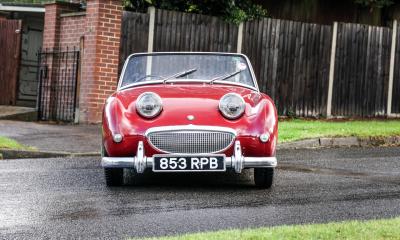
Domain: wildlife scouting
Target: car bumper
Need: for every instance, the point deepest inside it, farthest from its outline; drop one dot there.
(140, 162)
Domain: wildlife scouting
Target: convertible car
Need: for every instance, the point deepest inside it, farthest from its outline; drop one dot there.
(189, 112)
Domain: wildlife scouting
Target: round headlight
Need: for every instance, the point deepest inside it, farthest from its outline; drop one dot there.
(232, 105)
(149, 105)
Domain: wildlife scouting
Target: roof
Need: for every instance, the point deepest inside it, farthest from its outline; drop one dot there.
(22, 7)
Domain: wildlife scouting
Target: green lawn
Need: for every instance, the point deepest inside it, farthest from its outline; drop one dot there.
(12, 144)
(292, 130)
(376, 229)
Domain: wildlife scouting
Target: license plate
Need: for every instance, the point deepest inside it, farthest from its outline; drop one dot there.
(172, 163)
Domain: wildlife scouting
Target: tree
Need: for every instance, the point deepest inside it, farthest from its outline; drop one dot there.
(374, 3)
(235, 11)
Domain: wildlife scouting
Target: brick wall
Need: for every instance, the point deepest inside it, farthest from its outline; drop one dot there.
(72, 28)
(101, 57)
(100, 28)
(52, 28)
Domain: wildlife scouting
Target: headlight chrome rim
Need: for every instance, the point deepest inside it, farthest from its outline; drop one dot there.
(222, 108)
(158, 101)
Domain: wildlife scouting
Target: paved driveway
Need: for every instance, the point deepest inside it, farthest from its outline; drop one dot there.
(66, 198)
(54, 137)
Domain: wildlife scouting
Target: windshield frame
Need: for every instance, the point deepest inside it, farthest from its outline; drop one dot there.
(255, 87)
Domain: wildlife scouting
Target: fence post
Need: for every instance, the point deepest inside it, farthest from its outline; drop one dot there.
(240, 38)
(332, 70)
(391, 70)
(39, 90)
(152, 13)
(78, 80)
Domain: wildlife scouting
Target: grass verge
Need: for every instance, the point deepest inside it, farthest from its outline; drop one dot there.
(375, 229)
(7, 143)
(293, 130)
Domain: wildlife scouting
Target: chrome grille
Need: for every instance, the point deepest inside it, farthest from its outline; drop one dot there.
(191, 141)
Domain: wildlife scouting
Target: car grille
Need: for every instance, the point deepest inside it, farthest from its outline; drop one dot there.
(191, 141)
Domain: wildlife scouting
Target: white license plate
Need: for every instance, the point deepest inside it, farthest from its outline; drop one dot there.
(173, 163)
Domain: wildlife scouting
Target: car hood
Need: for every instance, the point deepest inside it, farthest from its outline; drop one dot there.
(198, 100)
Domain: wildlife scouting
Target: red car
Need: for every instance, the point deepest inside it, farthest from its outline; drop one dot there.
(189, 112)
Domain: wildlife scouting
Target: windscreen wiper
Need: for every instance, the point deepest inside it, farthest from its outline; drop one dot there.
(149, 76)
(226, 76)
(180, 74)
(138, 80)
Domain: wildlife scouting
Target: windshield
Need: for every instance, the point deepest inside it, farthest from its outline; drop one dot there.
(181, 67)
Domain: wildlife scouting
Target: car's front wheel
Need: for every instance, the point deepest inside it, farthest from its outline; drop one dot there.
(114, 176)
(263, 177)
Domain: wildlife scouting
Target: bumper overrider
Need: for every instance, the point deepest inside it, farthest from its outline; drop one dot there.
(141, 162)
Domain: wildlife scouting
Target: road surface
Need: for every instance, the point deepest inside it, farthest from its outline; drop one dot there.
(67, 198)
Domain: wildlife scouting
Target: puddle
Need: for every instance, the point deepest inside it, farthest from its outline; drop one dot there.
(327, 171)
(76, 215)
(340, 172)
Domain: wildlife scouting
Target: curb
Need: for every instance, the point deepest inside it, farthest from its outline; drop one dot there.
(20, 154)
(341, 142)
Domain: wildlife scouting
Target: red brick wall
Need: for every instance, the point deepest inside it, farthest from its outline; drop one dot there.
(101, 57)
(51, 33)
(72, 28)
(52, 30)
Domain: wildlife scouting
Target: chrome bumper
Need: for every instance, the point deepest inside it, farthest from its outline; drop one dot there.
(140, 162)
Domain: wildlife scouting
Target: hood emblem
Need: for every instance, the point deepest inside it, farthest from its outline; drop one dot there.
(190, 117)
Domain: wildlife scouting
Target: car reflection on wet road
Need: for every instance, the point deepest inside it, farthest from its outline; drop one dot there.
(67, 198)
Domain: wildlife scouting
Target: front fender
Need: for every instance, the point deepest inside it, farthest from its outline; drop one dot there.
(110, 124)
(264, 121)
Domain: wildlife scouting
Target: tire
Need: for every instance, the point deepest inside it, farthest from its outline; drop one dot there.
(263, 177)
(114, 176)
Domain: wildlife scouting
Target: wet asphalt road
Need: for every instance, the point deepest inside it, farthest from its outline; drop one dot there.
(67, 198)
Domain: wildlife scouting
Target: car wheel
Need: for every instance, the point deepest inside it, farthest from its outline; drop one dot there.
(114, 176)
(263, 177)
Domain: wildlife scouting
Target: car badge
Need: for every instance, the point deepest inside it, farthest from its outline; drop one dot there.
(190, 117)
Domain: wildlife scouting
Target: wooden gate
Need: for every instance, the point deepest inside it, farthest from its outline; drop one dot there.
(10, 43)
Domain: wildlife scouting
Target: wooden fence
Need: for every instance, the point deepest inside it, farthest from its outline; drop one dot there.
(10, 42)
(134, 35)
(176, 31)
(291, 60)
(396, 82)
(362, 70)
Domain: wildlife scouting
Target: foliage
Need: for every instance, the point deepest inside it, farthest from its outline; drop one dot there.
(234, 11)
(375, 3)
